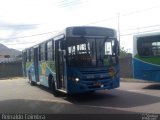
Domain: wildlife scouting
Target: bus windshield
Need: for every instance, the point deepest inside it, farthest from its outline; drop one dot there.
(90, 52)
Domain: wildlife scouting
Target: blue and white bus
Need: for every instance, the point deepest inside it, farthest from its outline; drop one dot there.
(146, 56)
(78, 60)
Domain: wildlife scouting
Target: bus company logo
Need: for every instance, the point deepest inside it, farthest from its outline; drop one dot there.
(149, 116)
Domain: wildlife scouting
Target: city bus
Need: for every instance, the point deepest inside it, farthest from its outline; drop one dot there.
(146, 56)
(80, 59)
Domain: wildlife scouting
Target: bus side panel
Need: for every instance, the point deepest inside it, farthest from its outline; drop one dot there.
(146, 71)
(42, 74)
(28, 67)
(46, 69)
(50, 69)
(30, 70)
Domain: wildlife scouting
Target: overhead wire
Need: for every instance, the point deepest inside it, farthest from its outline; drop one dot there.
(130, 13)
(140, 27)
(20, 43)
(29, 35)
(69, 3)
(140, 32)
(123, 15)
(120, 35)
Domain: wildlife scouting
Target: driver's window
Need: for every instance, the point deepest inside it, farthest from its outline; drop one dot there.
(108, 48)
(71, 50)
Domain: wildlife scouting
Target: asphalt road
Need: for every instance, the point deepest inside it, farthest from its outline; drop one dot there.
(17, 96)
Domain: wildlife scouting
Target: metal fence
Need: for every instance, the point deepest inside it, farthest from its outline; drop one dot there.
(11, 69)
(4, 60)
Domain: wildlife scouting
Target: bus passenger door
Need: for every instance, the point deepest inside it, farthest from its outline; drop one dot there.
(60, 66)
(36, 64)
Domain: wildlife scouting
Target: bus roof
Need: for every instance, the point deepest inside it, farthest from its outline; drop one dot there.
(82, 31)
(146, 34)
(89, 31)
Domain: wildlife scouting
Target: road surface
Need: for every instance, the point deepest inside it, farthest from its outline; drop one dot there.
(17, 96)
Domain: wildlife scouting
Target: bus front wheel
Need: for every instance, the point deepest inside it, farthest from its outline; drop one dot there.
(52, 87)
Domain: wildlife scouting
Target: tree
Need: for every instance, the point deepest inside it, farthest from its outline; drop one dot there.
(124, 53)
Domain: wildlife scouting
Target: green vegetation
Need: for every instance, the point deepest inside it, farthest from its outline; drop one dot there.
(124, 53)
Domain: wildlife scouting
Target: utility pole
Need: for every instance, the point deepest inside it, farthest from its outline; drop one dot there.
(118, 29)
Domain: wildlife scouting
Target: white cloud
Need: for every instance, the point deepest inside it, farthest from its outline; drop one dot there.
(5, 33)
(53, 15)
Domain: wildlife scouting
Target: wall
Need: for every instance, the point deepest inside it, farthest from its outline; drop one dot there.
(126, 67)
(13, 69)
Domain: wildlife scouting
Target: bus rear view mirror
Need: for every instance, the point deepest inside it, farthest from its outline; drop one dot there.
(116, 48)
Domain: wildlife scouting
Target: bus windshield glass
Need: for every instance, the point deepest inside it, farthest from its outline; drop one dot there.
(90, 52)
(149, 46)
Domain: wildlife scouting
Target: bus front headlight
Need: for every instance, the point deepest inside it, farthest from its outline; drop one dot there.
(76, 79)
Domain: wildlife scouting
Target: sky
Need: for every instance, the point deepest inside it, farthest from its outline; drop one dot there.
(24, 23)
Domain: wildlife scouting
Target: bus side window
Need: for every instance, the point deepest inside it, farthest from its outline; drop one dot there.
(53, 50)
(42, 51)
(32, 54)
(25, 56)
(49, 51)
(45, 52)
(29, 55)
(39, 53)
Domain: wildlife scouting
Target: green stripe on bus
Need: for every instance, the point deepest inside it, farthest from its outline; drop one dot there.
(153, 60)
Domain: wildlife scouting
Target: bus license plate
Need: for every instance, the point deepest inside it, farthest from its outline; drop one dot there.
(97, 84)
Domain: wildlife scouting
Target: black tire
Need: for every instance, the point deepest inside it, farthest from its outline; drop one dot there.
(52, 87)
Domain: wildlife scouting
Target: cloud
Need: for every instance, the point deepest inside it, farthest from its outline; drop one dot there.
(13, 30)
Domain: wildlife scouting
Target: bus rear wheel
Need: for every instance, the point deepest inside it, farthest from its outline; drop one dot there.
(30, 81)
